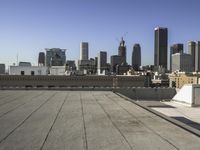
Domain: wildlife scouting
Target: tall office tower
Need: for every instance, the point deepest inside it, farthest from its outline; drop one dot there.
(102, 61)
(95, 64)
(41, 59)
(136, 56)
(2, 69)
(175, 48)
(197, 56)
(160, 47)
(181, 62)
(122, 51)
(84, 48)
(114, 61)
(55, 57)
(191, 51)
(70, 65)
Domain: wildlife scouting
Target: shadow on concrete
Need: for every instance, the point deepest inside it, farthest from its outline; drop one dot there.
(188, 122)
(161, 106)
(155, 104)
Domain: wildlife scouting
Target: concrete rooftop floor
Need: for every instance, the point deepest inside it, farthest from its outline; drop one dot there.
(84, 120)
(184, 113)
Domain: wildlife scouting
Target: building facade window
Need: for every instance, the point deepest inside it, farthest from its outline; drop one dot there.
(22, 73)
(32, 73)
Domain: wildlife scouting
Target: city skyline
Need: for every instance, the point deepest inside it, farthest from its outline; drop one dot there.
(35, 25)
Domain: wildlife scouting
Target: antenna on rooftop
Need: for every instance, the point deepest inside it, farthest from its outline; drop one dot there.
(122, 37)
(17, 59)
(125, 34)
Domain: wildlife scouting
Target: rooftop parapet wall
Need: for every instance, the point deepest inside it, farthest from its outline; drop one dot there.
(71, 81)
(141, 93)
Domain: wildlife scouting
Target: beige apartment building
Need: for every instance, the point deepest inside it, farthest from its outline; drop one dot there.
(179, 79)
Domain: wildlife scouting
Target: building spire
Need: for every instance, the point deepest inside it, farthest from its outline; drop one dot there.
(122, 43)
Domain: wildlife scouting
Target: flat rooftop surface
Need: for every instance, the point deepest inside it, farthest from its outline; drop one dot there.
(182, 112)
(84, 120)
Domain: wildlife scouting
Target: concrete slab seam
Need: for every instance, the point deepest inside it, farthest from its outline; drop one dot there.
(147, 126)
(173, 121)
(25, 120)
(114, 123)
(54, 121)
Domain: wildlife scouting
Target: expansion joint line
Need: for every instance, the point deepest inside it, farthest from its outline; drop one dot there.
(20, 105)
(54, 121)
(113, 123)
(12, 100)
(144, 124)
(5, 96)
(25, 119)
(84, 126)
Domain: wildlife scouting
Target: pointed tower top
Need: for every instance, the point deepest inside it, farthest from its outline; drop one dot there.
(122, 43)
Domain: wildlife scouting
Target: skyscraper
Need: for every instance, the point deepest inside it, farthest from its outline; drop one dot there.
(191, 51)
(122, 51)
(102, 61)
(41, 59)
(55, 57)
(175, 48)
(181, 62)
(2, 68)
(136, 56)
(197, 56)
(115, 60)
(160, 47)
(84, 48)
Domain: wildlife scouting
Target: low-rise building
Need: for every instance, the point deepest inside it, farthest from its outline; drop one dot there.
(86, 66)
(28, 70)
(122, 69)
(177, 80)
(160, 80)
(57, 70)
(70, 65)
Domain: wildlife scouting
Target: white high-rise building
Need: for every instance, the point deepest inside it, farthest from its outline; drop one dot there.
(84, 48)
(182, 62)
(102, 61)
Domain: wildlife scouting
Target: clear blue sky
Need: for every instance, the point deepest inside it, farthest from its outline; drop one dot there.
(29, 26)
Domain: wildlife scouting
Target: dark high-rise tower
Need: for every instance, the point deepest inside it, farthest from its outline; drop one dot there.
(197, 56)
(41, 59)
(136, 57)
(115, 60)
(122, 51)
(175, 48)
(191, 51)
(160, 47)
